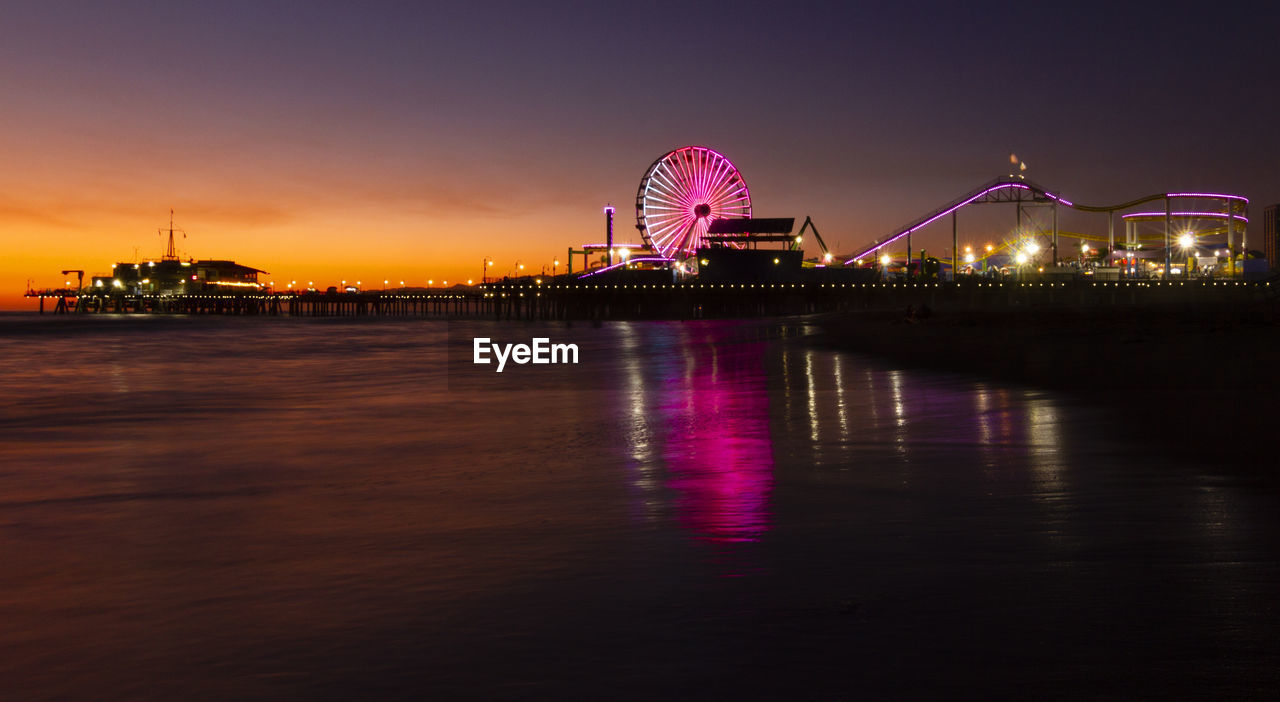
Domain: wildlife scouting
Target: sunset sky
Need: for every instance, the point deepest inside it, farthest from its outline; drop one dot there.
(408, 140)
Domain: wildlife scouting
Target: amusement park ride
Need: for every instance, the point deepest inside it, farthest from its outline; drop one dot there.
(693, 200)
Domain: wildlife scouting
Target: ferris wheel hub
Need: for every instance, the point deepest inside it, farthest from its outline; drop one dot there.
(702, 210)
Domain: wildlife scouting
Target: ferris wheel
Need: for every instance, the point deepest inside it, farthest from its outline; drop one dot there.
(682, 192)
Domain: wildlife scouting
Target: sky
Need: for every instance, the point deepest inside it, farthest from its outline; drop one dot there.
(324, 141)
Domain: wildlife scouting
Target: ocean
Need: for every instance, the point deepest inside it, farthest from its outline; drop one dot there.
(214, 508)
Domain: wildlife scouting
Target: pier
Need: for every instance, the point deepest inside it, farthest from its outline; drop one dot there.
(577, 300)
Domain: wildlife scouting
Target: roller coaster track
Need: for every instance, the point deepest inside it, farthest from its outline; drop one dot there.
(1019, 189)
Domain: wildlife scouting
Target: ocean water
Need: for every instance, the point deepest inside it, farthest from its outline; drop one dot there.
(338, 509)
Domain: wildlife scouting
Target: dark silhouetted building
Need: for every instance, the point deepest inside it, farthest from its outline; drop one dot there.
(175, 277)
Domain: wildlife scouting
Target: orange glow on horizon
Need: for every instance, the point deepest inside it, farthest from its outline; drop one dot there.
(324, 242)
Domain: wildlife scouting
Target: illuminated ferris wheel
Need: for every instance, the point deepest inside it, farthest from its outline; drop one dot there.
(682, 192)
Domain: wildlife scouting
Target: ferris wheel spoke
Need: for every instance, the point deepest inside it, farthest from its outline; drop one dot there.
(723, 182)
(731, 188)
(706, 172)
(714, 177)
(735, 195)
(696, 174)
(693, 169)
(682, 242)
(663, 232)
(672, 191)
(732, 203)
(724, 179)
(680, 174)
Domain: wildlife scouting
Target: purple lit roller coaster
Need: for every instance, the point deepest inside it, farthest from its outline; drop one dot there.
(1017, 189)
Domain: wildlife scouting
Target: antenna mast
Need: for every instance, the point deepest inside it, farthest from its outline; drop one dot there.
(171, 253)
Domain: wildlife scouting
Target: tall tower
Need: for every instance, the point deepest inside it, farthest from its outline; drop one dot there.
(608, 231)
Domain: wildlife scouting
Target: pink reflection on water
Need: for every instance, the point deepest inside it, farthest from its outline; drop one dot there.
(713, 415)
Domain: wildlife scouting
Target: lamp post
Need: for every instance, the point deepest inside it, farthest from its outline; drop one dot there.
(1188, 243)
(484, 269)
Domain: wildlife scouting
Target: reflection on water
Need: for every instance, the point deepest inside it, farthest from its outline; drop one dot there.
(697, 428)
(322, 509)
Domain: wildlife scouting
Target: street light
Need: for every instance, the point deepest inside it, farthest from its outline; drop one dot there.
(554, 265)
(885, 260)
(484, 269)
(1188, 243)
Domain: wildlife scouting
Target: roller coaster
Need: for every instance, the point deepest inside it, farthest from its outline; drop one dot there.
(1232, 209)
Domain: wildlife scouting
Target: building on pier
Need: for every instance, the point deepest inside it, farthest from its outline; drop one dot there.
(175, 277)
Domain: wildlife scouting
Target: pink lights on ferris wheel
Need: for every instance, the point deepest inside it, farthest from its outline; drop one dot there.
(682, 192)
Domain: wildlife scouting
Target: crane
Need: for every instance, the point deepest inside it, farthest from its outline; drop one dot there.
(79, 278)
(808, 224)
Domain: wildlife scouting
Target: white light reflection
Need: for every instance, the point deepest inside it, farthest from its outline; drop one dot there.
(639, 437)
(842, 411)
(899, 412)
(1046, 451)
(813, 398)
